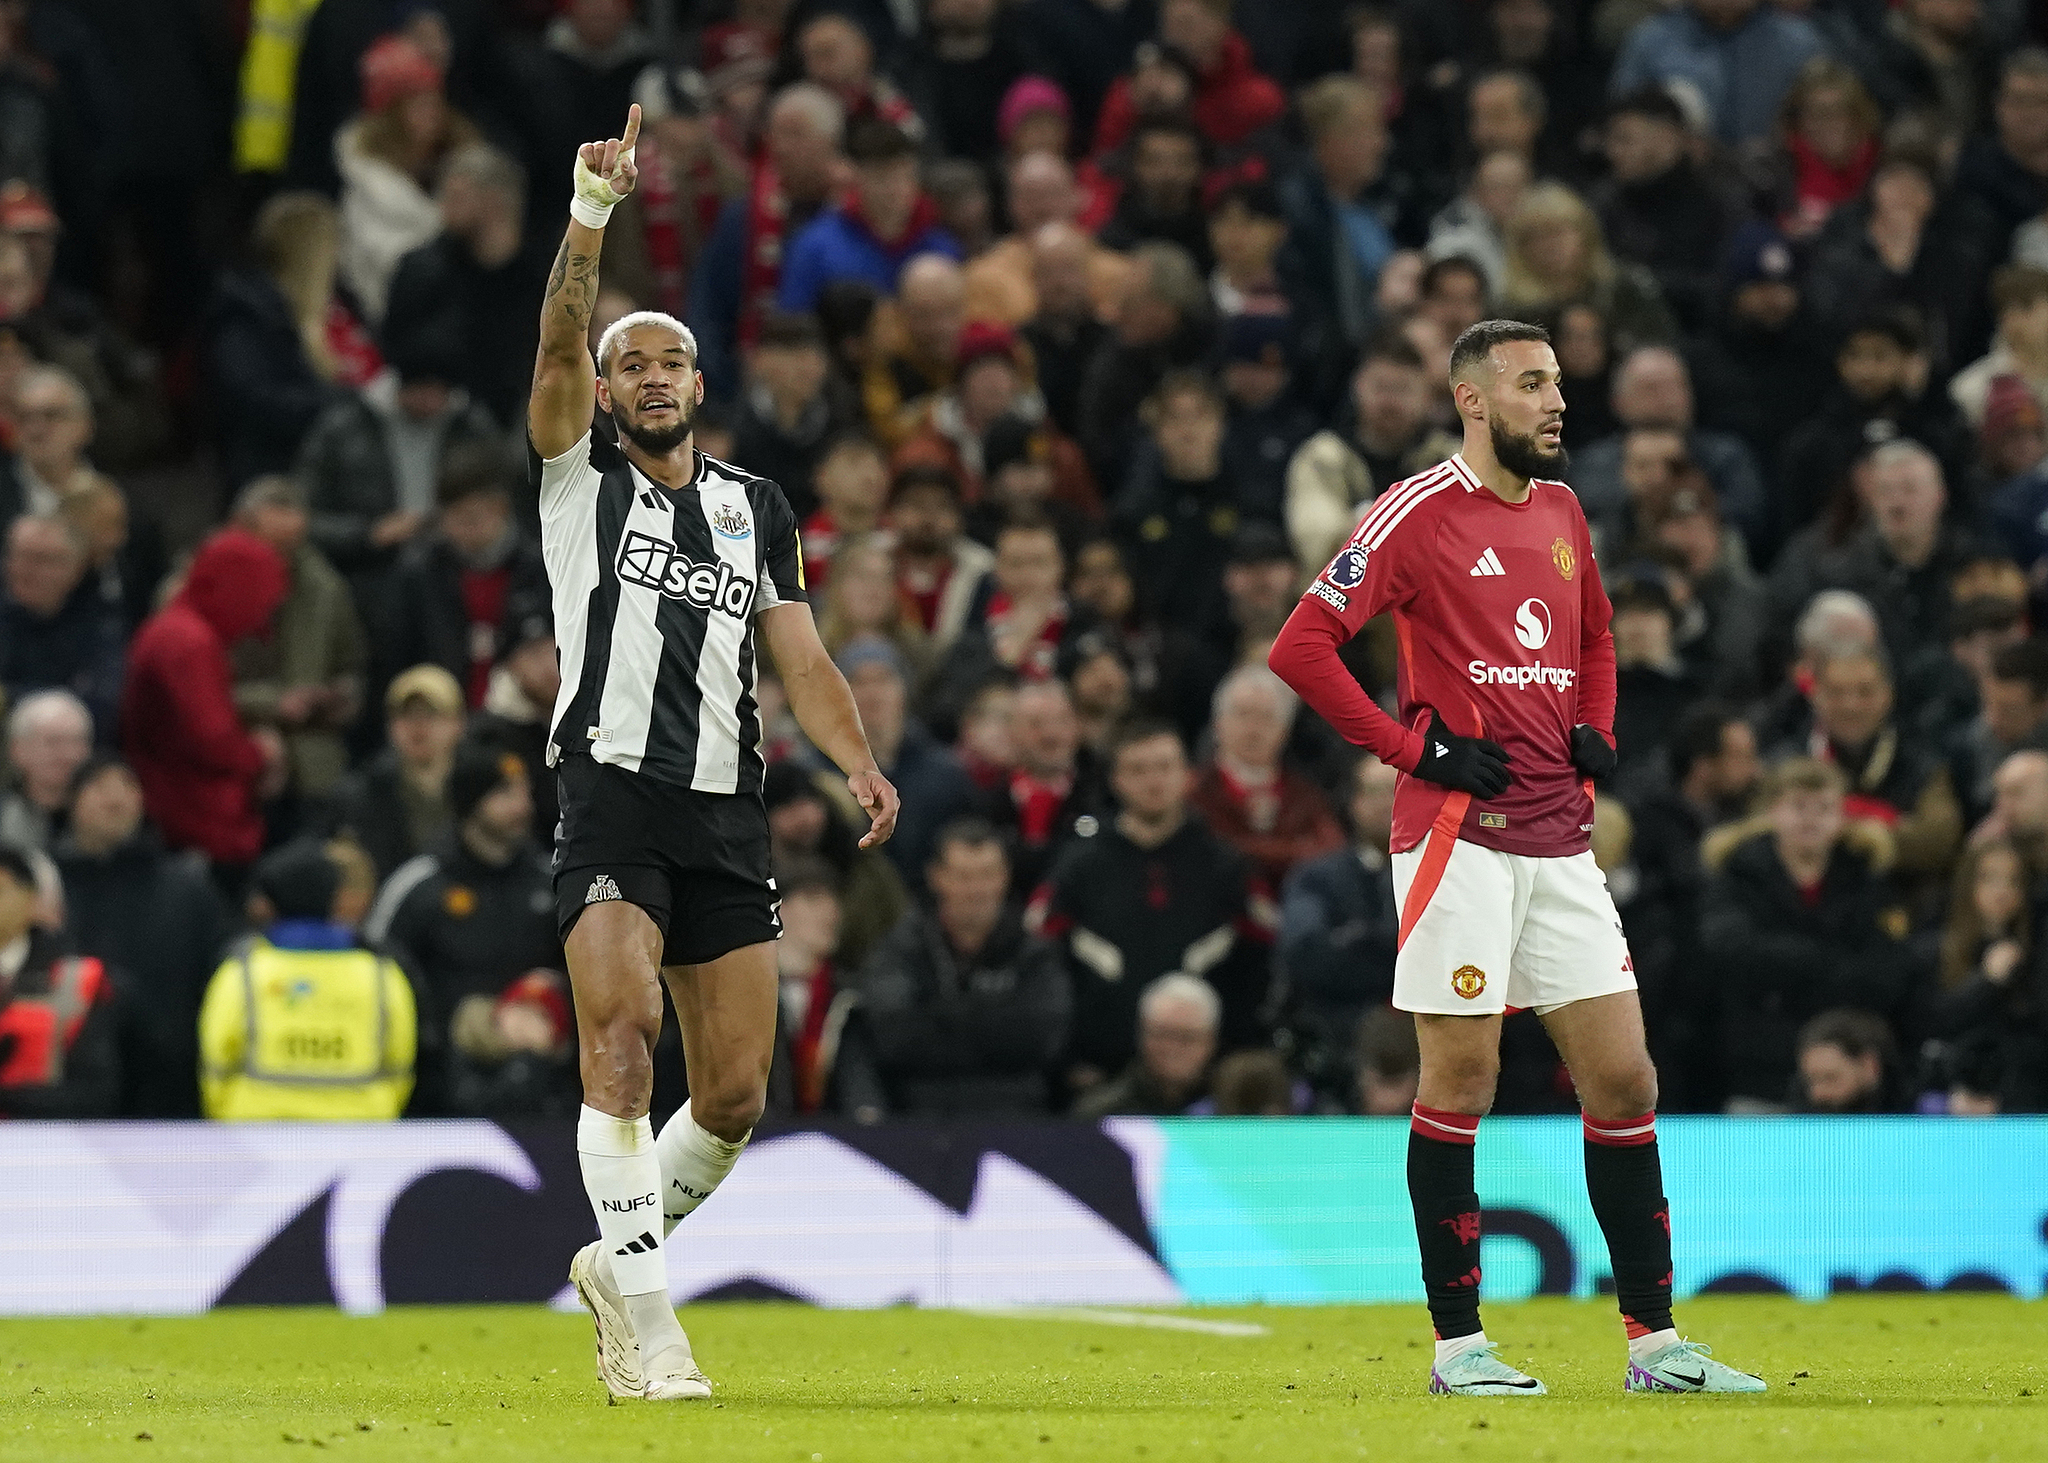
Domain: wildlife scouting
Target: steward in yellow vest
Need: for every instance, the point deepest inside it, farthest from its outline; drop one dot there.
(299, 1021)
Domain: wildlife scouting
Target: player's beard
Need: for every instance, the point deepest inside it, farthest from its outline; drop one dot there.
(658, 441)
(1526, 457)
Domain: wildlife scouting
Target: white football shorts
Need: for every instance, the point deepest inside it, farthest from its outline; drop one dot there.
(1483, 931)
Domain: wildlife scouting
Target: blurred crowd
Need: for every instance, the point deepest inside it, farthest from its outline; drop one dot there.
(1079, 334)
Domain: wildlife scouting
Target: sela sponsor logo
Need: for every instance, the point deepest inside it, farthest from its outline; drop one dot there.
(1347, 570)
(1336, 599)
(628, 1206)
(653, 563)
(728, 522)
(1532, 624)
(1521, 676)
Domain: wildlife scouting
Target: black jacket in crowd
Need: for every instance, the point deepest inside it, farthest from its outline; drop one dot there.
(1125, 915)
(156, 921)
(1338, 936)
(1778, 960)
(957, 1035)
(432, 624)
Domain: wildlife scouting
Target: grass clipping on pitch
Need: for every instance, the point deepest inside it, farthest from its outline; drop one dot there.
(1868, 1378)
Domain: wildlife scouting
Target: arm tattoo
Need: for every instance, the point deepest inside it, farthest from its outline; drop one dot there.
(571, 294)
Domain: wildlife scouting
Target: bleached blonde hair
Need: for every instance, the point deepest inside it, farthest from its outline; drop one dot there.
(607, 342)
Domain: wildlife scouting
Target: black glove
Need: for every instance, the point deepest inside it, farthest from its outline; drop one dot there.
(1591, 754)
(1470, 764)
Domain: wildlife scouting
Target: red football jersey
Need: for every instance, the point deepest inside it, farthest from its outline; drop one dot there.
(1502, 627)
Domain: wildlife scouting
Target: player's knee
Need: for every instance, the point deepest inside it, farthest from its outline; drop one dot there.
(1464, 1083)
(1623, 1092)
(728, 1110)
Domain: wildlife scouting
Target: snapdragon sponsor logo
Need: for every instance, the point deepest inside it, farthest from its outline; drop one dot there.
(1521, 676)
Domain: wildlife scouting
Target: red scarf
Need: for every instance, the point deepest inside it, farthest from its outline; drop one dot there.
(924, 214)
(805, 1052)
(1038, 803)
(923, 592)
(1260, 801)
(1818, 186)
(668, 250)
(356, 357)
(1039, 659)
(767, 222)
(483, 600)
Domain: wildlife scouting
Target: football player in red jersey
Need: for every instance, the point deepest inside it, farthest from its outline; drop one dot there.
(1506, 687)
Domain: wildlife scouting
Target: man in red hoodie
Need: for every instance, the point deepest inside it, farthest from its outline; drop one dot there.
(1233, 98)
(200, 769)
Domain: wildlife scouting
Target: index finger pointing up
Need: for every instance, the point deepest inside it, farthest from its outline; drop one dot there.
(632, 128)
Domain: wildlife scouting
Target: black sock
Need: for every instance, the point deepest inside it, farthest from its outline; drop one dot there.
(1626, 1184)
(1446, 1217)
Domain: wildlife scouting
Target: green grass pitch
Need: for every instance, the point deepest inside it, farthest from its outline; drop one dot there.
(1868, 1378)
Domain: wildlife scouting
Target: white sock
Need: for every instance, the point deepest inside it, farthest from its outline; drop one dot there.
(1640, 1347)
(694, 1161)
(622, 1176)
(1445, 1350)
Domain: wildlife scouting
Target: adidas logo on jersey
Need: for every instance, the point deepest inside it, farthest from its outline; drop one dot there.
(603, 887)
(655, 564)
(1489, 564)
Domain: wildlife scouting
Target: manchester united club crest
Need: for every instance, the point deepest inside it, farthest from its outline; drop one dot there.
(1468, 981)
(459, 902)
(1562, 556)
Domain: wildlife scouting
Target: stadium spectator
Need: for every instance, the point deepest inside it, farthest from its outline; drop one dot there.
(1736, 58)
(124, 555)
(934, 789)
(1025, 463)
(1102, 584)
(470, 289)
(1337, 928)
(396, 807)
(1269, 813)
(306, 678)
(1086, 48)
(2013, 716)
(1347, 212)
(853, 489)
(938, 568)
(838, 53)
(468, 921)
(737, 277)
(985, 746)
(1904, 559)
(53, 423)
(1018, 626)
(203, 773)
(299, 1022)
(1097, 671)
(1756, 363)
(1266, 418)
(283, 342)
(887, 221)
(1848, 1063)
(1232, 100)
(2019, 295)
(1797, 918)
(1989, 999)
(519, 704)
(914, 341)
(1151, 893)
(1162, 200)
(371, 463)
(822, 1061)
(1721, 626)
(57, 1015)
(960, 196)
(1585, 363)
(1655, 206)
(1504, 113)
(1162, 323)
(1247, 230)
(1179, 1020)
(1557, 256)
(56, 631)
(591, 54)
(1385, 436)
(454, 584)
(1828, 133)
(49, 738)
(862, 600)
(391, 157)
(794, 407)
(1177, 510)
(966, 1011)
(689, 169)
(1056, 781)
(1253, 1084)
(1389, 1064)
(154, 921)
(968, 55)
(1039, 192)
(1654, 685)
(991, 381)
(1473, 225)
(1065, 330)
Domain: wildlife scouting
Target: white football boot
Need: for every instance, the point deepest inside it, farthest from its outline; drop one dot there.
(618, 1354)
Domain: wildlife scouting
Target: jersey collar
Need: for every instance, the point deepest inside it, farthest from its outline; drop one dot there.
(1465, 474)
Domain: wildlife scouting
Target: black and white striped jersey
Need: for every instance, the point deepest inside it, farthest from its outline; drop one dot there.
(655, 591)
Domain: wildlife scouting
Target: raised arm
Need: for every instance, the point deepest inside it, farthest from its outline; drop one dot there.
(564, 377)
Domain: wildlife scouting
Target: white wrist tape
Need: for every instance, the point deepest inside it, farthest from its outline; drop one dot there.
(593, 200)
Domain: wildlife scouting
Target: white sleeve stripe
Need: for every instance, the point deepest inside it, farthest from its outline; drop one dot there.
(1380, 535)
(1400, 493)
(407, 877)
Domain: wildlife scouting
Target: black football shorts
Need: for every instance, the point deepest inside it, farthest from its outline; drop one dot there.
(697, 862)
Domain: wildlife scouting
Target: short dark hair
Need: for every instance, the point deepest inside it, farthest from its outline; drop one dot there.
(2023, 660)
(1476, 342)
(1855, 1033)
(1651, 101)
(1454, 264)
(1170, 124)
(1392, 347)
(968, 833)
(1184, 381)
(1030, 520)
(791, 330)
(852, 439)
(873, 140)
(1142, 728)
(1900, 324)
(472, 470)
(1698, 736)
(805, 873)
(926, 475)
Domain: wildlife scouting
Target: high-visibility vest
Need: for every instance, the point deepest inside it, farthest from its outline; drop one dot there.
(43, 1024)
(270, 67)
(317, 1034)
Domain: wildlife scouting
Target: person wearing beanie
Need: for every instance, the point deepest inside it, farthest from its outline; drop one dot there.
(300, 1022)
(204, 775)
(468, 920)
